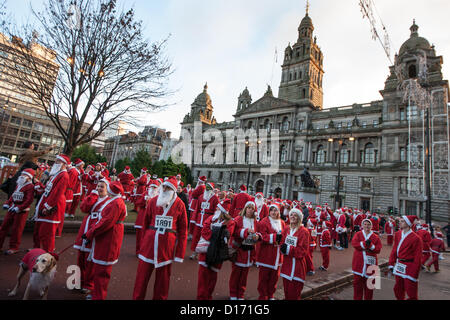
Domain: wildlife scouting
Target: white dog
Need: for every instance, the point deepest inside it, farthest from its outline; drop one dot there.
(42, 266)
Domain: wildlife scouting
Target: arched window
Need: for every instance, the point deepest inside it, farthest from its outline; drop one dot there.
(285, 124)
(369, 153)
(320, 154)
(283, 154)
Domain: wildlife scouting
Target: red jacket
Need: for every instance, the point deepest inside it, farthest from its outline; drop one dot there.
(389, 228)
(73, 179)
(357, 219)
(198, 191)
(363, 256)
(126, 181)
(107, 233)
(262, 212)
(325, 239)
(168, 245)
(53, 198)
(425, 235)
(238, 203)
(437, 246)
(77, 190)
(294, 264)
(244, 258)
(269, 254)
(22, 198)
(408, 252)
(205, 207)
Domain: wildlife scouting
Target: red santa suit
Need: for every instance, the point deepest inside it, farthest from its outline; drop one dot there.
(293, 270)
(436, 247)
(312, 229)
(91, 205)
(389, 229)
(139, 197)
(425, 235)
(363, 257)
(163, 242)
(269, 258)
(73, 177)
(206, 205)
(126, 178)
(325, 245)
(244, 258)
(86, 183)
(106, 236)
(239, 202)
(18, 206)
(405, 261)
(53, 200)
(207, 276)
(196, 193)
(77, 191)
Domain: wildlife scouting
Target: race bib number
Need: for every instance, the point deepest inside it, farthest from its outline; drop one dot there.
(290, 240)
(371, 260)
(48, 188)
(17, 196)
(163, 222)
(400, 268)
(205, 205)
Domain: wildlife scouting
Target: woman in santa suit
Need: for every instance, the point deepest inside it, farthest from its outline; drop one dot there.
(405, 260)
(367, 246)
(295, 246)
(389, 230)
(90, 205)
(269, 258)
(244, 238)
(207, 275)
(106, 236)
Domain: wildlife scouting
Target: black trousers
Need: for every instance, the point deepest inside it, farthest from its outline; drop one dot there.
(343, 240)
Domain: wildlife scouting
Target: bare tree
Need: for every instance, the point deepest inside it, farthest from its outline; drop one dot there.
(101, 67)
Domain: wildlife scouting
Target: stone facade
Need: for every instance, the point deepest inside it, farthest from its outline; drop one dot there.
(368, 144)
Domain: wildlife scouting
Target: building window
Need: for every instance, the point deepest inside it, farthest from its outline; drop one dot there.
(320, 155)
(364, 124)
(27, 123)
(283, 154)
(344, 154)
(338, 125)
(300, 125)
(375, 123)
(369, 153)
(16, 120)
(24, 134)
(402, 154)
(402, 114)
(285, 124)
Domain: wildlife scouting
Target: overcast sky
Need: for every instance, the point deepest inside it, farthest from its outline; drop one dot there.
(231, 45)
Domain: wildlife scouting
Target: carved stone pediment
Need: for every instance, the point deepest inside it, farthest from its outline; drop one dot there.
(266, 103)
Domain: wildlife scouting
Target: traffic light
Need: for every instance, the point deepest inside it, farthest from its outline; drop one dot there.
(390, 210)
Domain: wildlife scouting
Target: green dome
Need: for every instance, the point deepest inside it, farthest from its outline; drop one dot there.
(414, 42)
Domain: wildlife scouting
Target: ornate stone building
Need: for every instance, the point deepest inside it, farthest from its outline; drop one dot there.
(371, 146)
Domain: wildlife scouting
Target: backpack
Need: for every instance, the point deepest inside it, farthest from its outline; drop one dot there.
(218, 248)
(348, 222)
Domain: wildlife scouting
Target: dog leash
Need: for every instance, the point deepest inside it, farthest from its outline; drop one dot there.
(56, 255)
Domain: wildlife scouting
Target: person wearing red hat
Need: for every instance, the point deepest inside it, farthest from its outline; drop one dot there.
(18, 206)
(425, 236)
(125, 178)
(269, 258)
(105, 171)
(244, 238)
(152, 191)
(262, 210)
(51, 206)
(94, 177)
(325, 245)
(106, 236)
(389, 229)
(239, 201)
(367, 245)
(193, 200)
(207, 274)
(206, 205)
(294, 247)
(73, 177)
(142, 183)
(436, 247)
(311, 225)
(86, 181)
(77, 189)
(405, 260)
(164, 241)
(90, 205)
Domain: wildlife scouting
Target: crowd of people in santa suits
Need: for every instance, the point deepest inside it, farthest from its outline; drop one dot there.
(278, 236)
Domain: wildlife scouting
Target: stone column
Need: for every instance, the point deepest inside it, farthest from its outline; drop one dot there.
(289, 186)
(283, 193)
(379, 150)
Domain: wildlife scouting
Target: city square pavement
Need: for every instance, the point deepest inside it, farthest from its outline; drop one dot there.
(183, 284)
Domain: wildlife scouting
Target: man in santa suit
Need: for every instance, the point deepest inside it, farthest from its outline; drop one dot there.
(325, 245)
(311, 225)
(375, 223)
(207, 274)
(341, 230)
(126, 178)
(239, 201)
(206, 205)
(51, 206)
(152, 191)
(18, 206)
(425, 235)
(436, 247)
(358, 217)
(196, 193)
(95, 176)
(141, 188)
(106, 236)
(164, 241)
(262, 210)
(389, 229)
(90, 205)
(73, 177)
(405, 259)
(85, 181)
(105, 171)
(77, 189)
(367, 246)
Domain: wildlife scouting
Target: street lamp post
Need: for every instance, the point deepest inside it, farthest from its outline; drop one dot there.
(338, 187)
(428, 172)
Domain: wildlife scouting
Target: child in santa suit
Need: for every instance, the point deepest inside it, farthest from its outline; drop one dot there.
(92, 205)
(207, 274)
(436, 246)
(405, 260)
(269, 258)
(367, 246)
(389, 229)
(244, 238)
(325, 245)
(18, 206)
(106, 236)
(294, 247)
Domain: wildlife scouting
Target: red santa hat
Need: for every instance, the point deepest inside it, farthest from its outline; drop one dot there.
(409, 220)
(127, 167)
(28, 172)
(298, 213)
(259, 194)
(224, 205)
(243, 188)
(179, 175)
(211, 185)
(439, 235)
(154, 183)
(424, 226)
(115, 188)
(249, 203)
(144, 169)
(318, 208)
(368, 221)
(202, 179)
(172, 183)
(275, 205)
(63, 158)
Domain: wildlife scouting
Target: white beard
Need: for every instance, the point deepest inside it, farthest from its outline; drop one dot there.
(208, 194)
(20, 182)
(275, 223)
(164, 198)
(55, 169)
(259, 202)
(217, 214)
